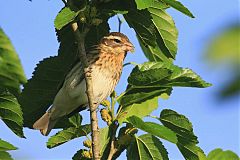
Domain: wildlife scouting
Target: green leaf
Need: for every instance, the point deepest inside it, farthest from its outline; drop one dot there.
(79, 155)
(5, 146)
(140, 110)
(64, 17)
(177, 76)
(167, 30)
(152, 79)
(140, 21)
(11, 71)
(72, 121)
(11, 113)
(141, 94)
(179, 124)
(179, 6)
(5, 156)
(142, 4)
(39, 92)
(68, 134)
(147, 147)
(189, 150)
(224, 47)
(219, 154)
(104, 136)
(154, 53)
(155, 31)
(153, 128)
(183, 128)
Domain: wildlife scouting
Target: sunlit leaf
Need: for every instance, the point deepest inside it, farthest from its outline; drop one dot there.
(224, 47)
(179, 6)
(11, 113)
(142, 4)
(104, 137)
(140, 110)
(167, 30)
(219, 154)
(11, 71)
(5, 146)
(152, 79)
(65, 16)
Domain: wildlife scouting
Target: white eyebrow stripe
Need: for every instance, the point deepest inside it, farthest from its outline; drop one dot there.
(113, 37)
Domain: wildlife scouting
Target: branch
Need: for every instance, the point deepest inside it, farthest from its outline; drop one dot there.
(80, 37)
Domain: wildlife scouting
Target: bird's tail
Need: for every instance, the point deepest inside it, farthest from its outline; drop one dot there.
(44, 124)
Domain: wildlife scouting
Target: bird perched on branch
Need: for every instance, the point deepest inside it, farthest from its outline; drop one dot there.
(106, 62)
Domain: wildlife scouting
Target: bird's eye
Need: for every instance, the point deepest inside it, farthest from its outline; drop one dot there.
(117, 40)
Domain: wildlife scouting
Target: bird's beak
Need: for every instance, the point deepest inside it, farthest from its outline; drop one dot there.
(130, 47)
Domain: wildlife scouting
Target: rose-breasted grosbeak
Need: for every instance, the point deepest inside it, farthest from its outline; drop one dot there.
(106, 62)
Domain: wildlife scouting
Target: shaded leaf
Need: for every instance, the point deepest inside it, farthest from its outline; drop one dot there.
(179, 6)
(232, 88)
(11, 71)
(79, 155)
(5, 156)
(153, 128)
(147, 147)
(72, 121)
(65, 16)
(39, 92)
(219, 154)
(11, 113)
(140, 110)
(5, 146)
(189, 150)
(68, 134)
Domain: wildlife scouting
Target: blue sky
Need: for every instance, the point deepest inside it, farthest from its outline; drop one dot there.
(216, 123)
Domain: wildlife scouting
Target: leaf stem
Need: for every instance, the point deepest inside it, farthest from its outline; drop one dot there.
(113, 102)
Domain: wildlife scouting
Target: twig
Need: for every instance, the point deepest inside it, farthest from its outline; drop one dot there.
(119, 24)
(80, 37)
(113, 148)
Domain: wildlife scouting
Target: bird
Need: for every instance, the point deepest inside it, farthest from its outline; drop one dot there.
(105, 62)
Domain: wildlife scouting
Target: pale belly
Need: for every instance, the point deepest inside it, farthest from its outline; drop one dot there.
(70, 98)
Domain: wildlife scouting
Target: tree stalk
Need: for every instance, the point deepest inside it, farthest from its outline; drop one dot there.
(80, 37)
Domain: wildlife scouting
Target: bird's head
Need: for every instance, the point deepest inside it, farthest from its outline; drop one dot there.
(116, 42)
